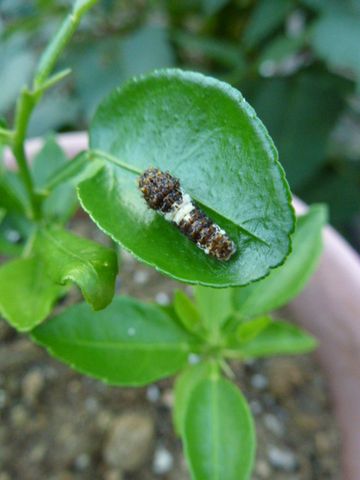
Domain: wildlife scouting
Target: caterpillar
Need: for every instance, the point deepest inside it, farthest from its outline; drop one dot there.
(163, 193)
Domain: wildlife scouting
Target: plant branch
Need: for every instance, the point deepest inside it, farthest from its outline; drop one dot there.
(6, 136)
(24, 109)
(29, 98)
(55, 48)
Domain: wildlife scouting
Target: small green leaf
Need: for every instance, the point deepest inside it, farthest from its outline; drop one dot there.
(26, 293)
(184, 386)
(187, 312)
(205, 133)
(278, 338)
(61, 202)
(215, 306)
(219, 432)
(90, 265)
(265, 18)
(12, 195)
(287, 281)
(249, 330)
(129, 343)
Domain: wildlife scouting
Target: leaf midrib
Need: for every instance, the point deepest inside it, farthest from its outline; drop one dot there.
(214, 412)
(112, 345)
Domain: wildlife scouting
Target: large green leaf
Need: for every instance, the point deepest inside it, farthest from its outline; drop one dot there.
(219, 432)
(278, 338)
(204, 132)
(128, 343)
(90, 265)
(286, 282)
(26, 293)
(184, 386)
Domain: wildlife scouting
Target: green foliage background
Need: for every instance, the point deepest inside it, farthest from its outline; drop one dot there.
(297, 62)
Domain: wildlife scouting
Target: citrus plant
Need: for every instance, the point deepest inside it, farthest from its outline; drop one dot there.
(204, 133)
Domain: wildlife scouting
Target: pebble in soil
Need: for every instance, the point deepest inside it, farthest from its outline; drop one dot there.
(59, 425)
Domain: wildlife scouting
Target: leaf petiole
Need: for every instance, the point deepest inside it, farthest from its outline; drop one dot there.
(110, 158)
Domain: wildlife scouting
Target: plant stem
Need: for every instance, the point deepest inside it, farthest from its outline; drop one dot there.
(24, 109)
(6, 136)
(55, 48)
(29, 98)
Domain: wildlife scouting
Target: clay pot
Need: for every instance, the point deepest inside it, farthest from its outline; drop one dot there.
(329, 307)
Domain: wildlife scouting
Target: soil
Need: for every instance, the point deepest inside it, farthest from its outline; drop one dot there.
(59, 425)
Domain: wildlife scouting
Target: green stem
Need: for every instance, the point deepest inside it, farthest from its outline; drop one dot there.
(29, 98)
(55, 48)
(24, 109)
(6, 136)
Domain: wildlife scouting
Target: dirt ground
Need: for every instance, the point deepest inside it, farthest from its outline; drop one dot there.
(59, 425)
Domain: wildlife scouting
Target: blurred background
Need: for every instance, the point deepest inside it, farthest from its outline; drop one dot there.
(296, 61)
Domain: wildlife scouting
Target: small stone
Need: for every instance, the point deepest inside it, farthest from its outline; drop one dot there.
(285, 376)
(37, 453)
(130, 441)
(259, 381)
(256, 407)
(5, 331)
(82, 461)
(3, 398)
(274, 425)
(163, 461)
(103, 420)
(162, 298)
(263, 469)
(114, 475)
(91, 405)
(307, 422)
(153, 393)
(323, 442)
(19, 416)
(17, 354)
(4, 476)
(282, 459)
(32, 385)
(168, 398)
(141, 277)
